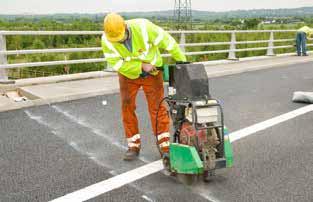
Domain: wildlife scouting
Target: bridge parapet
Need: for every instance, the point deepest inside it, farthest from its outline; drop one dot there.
(231, 51)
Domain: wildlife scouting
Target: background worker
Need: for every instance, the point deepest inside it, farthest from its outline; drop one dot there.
(132, 49)
(301, 38)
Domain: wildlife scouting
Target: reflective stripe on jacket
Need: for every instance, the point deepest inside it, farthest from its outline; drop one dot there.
(147, 38)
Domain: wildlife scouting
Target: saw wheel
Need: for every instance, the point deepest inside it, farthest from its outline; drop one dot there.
(209, 154)
(187, 179)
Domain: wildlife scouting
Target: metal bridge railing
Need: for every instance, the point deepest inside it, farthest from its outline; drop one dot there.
(232, 50)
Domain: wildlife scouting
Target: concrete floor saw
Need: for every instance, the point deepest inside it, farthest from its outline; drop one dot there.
(200, 142)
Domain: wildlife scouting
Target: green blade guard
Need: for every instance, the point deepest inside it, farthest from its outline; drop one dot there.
(228, 150)
(185, 159)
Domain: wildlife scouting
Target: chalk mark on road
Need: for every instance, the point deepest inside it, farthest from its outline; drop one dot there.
(55, 131)
(95, 131)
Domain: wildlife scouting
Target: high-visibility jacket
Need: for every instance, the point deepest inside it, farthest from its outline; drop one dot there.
(307, 30)
(147, 38)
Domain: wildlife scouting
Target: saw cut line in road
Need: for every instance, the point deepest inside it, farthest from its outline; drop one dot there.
(118, 181)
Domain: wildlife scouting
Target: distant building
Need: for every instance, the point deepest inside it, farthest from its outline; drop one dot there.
(265, 22)
(281, 21)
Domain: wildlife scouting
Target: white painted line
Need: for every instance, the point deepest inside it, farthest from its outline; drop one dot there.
(147, 198)
(269, 123)
(112, 183)
(118, 181)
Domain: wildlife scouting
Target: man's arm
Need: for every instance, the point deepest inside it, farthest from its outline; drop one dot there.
(131, 69)
(164, 40)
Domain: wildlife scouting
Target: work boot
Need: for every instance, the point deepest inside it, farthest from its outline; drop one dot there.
(131, 154)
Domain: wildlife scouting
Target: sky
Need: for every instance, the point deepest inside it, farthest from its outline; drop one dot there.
(101, 6)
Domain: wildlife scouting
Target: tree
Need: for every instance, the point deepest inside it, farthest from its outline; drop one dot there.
(251, 23)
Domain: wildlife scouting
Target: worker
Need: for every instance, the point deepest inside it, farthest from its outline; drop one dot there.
(132, 49)
(301, 38)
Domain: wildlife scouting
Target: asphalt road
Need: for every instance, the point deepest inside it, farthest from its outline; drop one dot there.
(49, 151)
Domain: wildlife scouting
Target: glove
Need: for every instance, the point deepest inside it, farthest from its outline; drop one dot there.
(144, 74)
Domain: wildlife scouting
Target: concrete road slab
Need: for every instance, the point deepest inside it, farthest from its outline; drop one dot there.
(49, 151)
(5, 101)
(252, 97)
(67, 89)
(272, 165)
(37, 165)
(253, 65)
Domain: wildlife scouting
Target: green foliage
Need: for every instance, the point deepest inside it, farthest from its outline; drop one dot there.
(251, 23)
(38, 44)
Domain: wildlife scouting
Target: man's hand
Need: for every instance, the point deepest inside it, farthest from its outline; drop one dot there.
(148, 67)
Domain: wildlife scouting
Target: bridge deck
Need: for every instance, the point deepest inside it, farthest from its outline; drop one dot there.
(51, 150)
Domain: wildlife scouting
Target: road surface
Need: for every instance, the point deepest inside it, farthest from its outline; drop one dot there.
(49, 151)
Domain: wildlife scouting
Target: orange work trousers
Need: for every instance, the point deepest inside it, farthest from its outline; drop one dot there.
(154, 93)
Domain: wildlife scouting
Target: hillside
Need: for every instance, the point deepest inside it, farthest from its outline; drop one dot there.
(200, 15)
(263, 13)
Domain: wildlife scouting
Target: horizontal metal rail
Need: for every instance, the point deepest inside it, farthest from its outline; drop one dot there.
(98, 60)
(34, 33)
(95, 49)
(236, 50)
(8, 33)
(226, 31)
(231, 51)
(206, 52)
(237, 42)
(42, 51)
(51, 63)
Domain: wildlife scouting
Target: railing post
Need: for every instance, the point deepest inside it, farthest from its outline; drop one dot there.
(182, 41)
(232, 48)
(3, 59)
(270, 49)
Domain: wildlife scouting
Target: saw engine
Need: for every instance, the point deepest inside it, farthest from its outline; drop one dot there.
(205, 140)
(197, 147)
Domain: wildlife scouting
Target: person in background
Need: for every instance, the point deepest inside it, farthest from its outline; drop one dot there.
(302, 35)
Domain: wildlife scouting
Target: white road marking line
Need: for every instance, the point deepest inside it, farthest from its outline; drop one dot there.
(269, 123)
(147, 198)
(204, 192)
(118, 181)
(112, 183)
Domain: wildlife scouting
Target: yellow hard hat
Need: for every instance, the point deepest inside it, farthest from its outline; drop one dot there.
(114, 27)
